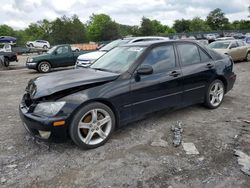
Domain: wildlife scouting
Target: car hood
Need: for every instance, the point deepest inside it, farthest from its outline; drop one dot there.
(221, 51)
(39, 57)
(91, 56)
(56, 82)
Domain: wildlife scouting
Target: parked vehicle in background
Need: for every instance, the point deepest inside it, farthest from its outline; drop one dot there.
(204, 42)
(191, 38)
(38, 44)
(87, 59)
(8, 57)
(225, 38)
(211, 37)
(7, 39)
(124, 85)
(247, 40)
(6, 48)
(238, 36)
(58, 56)
(237, 49)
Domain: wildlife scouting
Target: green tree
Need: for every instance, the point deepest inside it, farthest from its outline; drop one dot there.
(153, 27)
(6, 30)
(197, 24)
(216, 20)
(67, 30)
(182, 25)
(147, 27)
(102, 28)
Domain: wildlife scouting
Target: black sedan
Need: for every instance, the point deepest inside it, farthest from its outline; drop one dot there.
(122, 86)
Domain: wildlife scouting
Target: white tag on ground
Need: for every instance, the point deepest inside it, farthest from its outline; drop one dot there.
(190, 148)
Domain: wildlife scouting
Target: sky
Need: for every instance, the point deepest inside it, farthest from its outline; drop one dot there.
(20, 13)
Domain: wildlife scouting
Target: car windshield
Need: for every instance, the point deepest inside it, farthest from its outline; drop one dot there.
(118, 60)
(51, 50)
(114, 44)
(219, 45)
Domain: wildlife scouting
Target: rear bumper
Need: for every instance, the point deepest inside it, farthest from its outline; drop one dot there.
(35, 125)
(231, 81)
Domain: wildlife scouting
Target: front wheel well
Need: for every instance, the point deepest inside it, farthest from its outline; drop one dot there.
(103, 101)
(41, 62)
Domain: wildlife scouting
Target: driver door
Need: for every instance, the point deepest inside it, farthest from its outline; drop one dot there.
(63, 56)
(162, 88)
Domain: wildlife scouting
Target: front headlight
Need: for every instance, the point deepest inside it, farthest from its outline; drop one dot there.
(30, 60)
(48, 108)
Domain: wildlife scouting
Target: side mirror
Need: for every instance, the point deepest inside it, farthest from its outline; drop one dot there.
(55, 52)
(231, 47)
(144, 70)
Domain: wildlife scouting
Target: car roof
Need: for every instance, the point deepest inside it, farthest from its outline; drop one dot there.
(144, 37)
(151, 43)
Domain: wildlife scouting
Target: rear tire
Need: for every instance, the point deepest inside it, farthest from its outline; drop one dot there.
(215, 94)
(92, 125)
(6, 62)
(44, 67)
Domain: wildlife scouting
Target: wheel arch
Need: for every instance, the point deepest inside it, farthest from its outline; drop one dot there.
(43, 61)
(103, 101)
(224, 81)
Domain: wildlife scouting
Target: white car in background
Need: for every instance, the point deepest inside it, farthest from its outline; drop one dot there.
(87, 59)
(38, 44)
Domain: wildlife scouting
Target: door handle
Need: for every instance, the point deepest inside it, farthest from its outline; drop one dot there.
(209, 65)
(175, 73)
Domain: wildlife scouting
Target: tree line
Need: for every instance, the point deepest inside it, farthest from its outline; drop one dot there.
(101, 27)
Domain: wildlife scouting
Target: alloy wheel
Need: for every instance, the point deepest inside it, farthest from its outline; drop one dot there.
(45, 67)
(95, 126)
(216, 94)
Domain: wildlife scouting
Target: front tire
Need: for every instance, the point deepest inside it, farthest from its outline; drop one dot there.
(215, 94)
(92, 125)
(248, 57)
(44, 67)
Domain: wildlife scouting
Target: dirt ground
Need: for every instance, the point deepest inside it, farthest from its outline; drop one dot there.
(129, 159)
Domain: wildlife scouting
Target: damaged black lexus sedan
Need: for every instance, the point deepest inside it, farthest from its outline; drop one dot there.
(124, 85)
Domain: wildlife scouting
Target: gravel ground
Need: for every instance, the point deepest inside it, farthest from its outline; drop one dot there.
(138, 155)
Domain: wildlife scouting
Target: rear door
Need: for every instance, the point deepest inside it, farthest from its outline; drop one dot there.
(162, 88)
(198, 69)
(234, 50)
(242, 49)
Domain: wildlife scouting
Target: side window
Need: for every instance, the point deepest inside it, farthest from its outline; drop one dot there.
(241, 43)
(161, 58)
(189, 54)
(62, 50)
(233, 45)
(204, 57)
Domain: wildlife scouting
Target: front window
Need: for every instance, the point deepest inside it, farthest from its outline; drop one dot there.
(52, 50)
(219, 45)
(161, 59)
(119, 59)
(114, 44)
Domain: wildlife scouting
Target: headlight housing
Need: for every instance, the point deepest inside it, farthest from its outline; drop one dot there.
(48, 108)
(30, 60)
